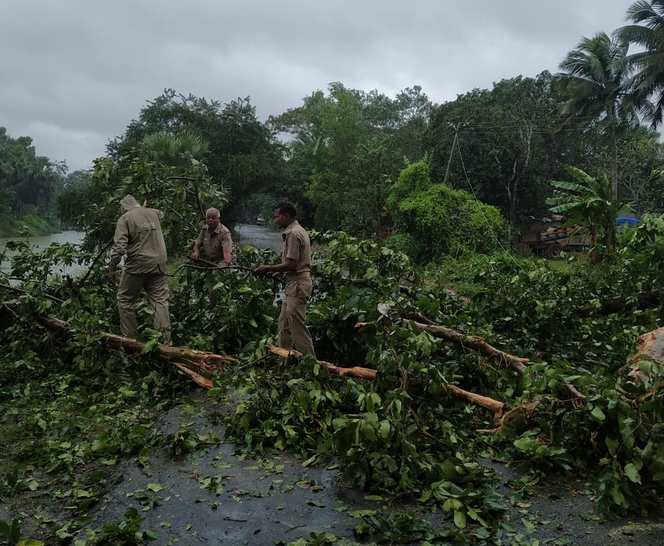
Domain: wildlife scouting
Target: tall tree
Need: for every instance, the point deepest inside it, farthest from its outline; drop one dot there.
(348, 145)
(507, 146)
(244, 154)
(597, 81)
(647, 33)
(28, 181)
(640, 160)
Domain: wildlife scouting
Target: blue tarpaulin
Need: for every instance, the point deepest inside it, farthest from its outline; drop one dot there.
(622, 220)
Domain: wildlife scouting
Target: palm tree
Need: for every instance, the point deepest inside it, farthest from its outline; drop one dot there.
(647, 32)
(182, 152)
(596, 78)
(588, 201)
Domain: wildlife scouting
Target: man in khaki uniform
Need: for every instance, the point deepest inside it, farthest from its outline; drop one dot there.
(138, 234)
(217, 246)
(295, 263)
(215, 239)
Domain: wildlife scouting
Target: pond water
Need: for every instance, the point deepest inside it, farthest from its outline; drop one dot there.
(40, 243)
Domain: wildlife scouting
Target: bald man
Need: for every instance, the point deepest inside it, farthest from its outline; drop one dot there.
(215, 238)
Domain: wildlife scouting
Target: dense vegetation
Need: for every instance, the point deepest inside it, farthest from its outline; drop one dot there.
(339, 153)
(445, 188)
(403, 432)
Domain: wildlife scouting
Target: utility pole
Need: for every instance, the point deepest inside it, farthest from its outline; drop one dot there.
(456, 128)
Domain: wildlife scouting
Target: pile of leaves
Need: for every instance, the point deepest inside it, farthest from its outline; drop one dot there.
(403, 432)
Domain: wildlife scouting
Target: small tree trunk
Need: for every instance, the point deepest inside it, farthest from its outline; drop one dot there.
(614, 164)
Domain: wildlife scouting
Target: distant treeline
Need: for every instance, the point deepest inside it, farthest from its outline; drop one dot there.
(338, 155)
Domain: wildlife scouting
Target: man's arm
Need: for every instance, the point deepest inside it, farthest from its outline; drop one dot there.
(120, 240)
(285, 267)
(197, 245)
(227, 247)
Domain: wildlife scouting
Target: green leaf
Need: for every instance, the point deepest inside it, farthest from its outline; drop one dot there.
(612, 445)
(460, 519)
(632, 473)
(598, 414)
(384, 429)
(368, 431)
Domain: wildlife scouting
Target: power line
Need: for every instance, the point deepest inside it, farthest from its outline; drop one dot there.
(472, 190)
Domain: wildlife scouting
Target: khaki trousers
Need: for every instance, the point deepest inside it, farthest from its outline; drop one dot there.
(293, 332)
(156, 290)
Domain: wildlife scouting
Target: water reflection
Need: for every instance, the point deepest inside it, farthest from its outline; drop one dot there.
(40, 243)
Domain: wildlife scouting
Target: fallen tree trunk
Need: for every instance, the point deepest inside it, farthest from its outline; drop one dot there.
(367, 373)
(475, 343)
(642, 300)
(478, 344)
(181, 356)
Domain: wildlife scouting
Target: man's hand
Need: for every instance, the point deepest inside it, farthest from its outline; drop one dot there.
(262, 270)
(111, 274)
(195, 254)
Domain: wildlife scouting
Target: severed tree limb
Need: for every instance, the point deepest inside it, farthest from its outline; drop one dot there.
(475, 343)
(478, 344)
(524, 408)
(92, 265)
(367, 373)
(196, 378)
(642, 300)
(646, 396)
(21, 291)
(517, 363)
(202, 360)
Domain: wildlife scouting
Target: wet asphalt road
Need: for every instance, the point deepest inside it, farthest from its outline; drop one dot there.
(258, 236)
(213, 496)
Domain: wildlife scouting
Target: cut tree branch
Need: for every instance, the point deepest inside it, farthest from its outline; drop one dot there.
(642, 300)
(367, 373)
(180, 356)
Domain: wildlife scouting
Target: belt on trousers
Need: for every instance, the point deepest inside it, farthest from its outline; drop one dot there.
(291, 277)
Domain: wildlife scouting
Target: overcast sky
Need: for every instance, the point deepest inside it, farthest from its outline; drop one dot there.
(74, 73)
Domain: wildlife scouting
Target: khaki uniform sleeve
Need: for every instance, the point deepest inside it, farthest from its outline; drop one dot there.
(227, 242)
(120, 240)
(199, 240)
(293, 247)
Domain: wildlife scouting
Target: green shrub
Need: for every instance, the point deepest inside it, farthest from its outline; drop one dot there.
(35, 225)
(402, 242)
(443, 221)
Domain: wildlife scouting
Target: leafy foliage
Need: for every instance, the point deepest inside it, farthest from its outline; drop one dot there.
(244, 156)
(589, 202)
(402, 433)
(441, 221)
(348, 145)
(28, 184)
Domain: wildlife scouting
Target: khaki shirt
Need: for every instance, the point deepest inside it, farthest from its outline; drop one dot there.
(138, 234)
(215, 243)
(296, 247)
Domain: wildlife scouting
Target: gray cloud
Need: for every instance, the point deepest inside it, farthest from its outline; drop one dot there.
(76, 72)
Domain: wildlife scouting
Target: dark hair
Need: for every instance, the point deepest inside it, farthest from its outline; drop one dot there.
(286, 208)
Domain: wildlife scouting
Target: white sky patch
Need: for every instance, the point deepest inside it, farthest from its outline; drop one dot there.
(88, 144)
